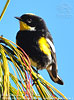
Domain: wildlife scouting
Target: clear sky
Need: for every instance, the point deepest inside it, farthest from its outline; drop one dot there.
(59, 17)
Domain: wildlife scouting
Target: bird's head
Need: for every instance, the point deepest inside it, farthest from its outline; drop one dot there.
(31, 22)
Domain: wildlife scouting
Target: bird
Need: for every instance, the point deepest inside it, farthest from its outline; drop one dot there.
(35, 39)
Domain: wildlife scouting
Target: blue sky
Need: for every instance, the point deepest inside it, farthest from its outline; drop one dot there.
(59, 17)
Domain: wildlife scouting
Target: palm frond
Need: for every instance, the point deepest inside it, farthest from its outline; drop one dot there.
(18, 83)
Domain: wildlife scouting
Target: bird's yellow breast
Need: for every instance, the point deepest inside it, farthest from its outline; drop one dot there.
(44, 46)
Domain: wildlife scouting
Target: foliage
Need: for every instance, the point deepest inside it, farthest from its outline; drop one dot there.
(18, 83)
(4, 9)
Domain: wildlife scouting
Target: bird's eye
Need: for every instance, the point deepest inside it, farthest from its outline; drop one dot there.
(41, 19)
(29, 20)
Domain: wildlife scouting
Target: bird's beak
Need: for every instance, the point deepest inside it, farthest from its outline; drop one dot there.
(18, 18)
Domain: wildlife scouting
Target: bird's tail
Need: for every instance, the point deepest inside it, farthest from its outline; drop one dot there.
(53, 74)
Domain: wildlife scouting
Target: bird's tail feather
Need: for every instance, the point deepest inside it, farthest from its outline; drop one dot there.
(53, 74)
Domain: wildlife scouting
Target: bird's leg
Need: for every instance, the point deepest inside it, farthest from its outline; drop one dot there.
(35, 80)
(37, 74)
(36, 70)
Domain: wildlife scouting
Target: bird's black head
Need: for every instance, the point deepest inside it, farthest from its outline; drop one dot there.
(31, 22)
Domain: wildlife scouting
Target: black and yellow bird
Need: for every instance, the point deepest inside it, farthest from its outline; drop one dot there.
(35, 39)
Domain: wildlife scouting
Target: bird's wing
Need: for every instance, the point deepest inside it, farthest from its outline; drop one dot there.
(52, 69)
(52, 49)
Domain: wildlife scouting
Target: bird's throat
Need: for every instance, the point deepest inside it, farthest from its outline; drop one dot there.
(24, 26)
